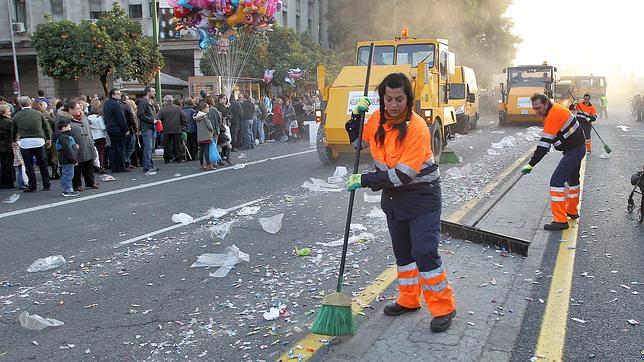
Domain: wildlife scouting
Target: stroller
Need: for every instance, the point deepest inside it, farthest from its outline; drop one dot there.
(637, 180)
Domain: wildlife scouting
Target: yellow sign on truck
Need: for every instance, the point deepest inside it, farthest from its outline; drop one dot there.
(522, 82)
(427, 62)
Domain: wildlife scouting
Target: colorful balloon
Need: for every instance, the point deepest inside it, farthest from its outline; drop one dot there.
(268, 75)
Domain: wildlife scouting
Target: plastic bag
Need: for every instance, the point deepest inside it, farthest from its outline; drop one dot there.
(340, 171)
(272, 225)
(216, 213)
(248, 210)
(158, 127)
(48, 263)
(96, 163)
(213, 154)
(226, 261)
(221, 230)
(11, 199)
(371, 199)
(36, 322)
(183, 218)
(317, 185)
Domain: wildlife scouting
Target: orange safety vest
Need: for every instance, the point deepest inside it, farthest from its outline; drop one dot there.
(561, 130)
(408, 162)
(585, 112)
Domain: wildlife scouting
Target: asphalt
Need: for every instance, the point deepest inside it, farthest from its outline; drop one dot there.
(143, 301)
(609, 255)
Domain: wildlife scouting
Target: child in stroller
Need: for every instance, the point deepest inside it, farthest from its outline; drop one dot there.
(637, 180)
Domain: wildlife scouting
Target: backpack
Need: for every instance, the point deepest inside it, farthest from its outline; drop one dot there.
(59, 146)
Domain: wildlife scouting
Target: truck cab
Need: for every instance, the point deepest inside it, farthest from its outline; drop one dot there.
(427, 62)
(591, 84)
(522, 82)
(462, 96)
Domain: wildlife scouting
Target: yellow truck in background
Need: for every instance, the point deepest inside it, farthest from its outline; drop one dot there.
(427, 62)
(562, 92)
(463, 97)
(593, 85)
(521, 83)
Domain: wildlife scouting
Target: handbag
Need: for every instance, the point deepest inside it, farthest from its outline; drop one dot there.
(158, 127)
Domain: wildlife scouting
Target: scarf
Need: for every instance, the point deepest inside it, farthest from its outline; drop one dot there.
(402, 117)
(78, 117)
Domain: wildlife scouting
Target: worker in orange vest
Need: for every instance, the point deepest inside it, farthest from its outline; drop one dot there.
(561, 130)
(408, 176)
(586, 114)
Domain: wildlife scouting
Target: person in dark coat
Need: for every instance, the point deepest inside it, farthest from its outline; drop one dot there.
(191, 128)
(6, 151)
(132, 130)
(236, 114)
(73, 111)
(147, 115)
(174, 121)
(117, 129)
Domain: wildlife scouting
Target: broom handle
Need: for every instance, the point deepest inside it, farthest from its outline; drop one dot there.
(356, 164)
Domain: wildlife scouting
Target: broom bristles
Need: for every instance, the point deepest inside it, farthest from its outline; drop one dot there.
(607, 149)
(333, 320)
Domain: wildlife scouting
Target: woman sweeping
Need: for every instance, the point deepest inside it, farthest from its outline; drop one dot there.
(400, 146)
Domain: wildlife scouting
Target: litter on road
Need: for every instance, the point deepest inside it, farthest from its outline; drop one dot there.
(226, 261)
(216, 212)
(579, 320)
(303, 251)
(377, 213)
(370, 198)
(248, 210)
(36, 322)
(48, 263)
(182, 218)
(361, 238)
(317, 185)
(11, 199)
(220, 231)
(273, 224)
(107, 178)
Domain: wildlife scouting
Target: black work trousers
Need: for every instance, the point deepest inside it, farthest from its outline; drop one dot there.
(172, 147)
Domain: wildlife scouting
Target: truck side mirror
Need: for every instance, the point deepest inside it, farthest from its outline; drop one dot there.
(471, 97)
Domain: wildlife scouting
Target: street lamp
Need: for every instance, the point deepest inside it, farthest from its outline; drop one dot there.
(13, 48)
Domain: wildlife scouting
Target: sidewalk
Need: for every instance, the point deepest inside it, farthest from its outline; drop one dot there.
(491, 290)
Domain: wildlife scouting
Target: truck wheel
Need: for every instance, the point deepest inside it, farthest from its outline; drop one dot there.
(437, 140)
(474, 122)
(463, 122)
(502, 120)
(324, 153)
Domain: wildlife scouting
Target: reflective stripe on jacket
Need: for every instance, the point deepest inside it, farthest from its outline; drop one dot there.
(561, 130)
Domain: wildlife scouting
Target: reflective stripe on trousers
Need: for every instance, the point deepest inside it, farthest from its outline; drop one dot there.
(567, 172)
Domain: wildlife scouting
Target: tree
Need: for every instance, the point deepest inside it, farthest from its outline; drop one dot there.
(114, 46)
(477, 31)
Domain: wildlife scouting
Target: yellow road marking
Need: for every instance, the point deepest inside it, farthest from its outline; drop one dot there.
(311, 343)
(552, 336)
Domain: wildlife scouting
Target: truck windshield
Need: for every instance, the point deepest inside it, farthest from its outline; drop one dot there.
(456, 91)
(415, 53)
(382, 55)
(529, 76)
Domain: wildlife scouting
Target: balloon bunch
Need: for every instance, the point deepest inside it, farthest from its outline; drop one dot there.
(292, 75)
(218, 22)
(268, 75)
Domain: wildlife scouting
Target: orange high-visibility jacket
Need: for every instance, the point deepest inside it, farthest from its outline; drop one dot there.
(405, 170)
(561, 130)
(586, 113)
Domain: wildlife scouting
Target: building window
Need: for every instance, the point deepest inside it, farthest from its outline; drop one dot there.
(136, 11)
(284, 18)
(298, 26)
(20, 11)
(95, 9)
(95, 15)
(57, 9)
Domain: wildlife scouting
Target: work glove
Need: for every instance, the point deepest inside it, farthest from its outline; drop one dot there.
(352, 127)
(526, 169)
(362, 106)
(354, 182)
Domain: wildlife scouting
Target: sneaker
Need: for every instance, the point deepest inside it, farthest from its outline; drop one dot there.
(150, 173)
(556, 226)
(396, 309)
(70, 194)
(441, 324)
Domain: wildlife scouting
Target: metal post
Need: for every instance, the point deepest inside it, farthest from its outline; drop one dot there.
(13, 47)
(155, 35)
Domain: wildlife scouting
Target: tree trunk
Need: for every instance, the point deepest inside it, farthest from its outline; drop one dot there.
(103, 78)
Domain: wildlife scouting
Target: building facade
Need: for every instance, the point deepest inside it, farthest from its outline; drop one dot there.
(181, 53)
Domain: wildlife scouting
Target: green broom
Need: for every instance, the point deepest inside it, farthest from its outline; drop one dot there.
(335, 317)
(606, 147)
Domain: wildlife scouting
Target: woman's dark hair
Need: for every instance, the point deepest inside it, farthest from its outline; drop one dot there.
(71, 104)
(202, 105)
(59, 104)
(394, 81)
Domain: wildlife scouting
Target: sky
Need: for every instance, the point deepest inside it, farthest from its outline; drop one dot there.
(580, 37)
